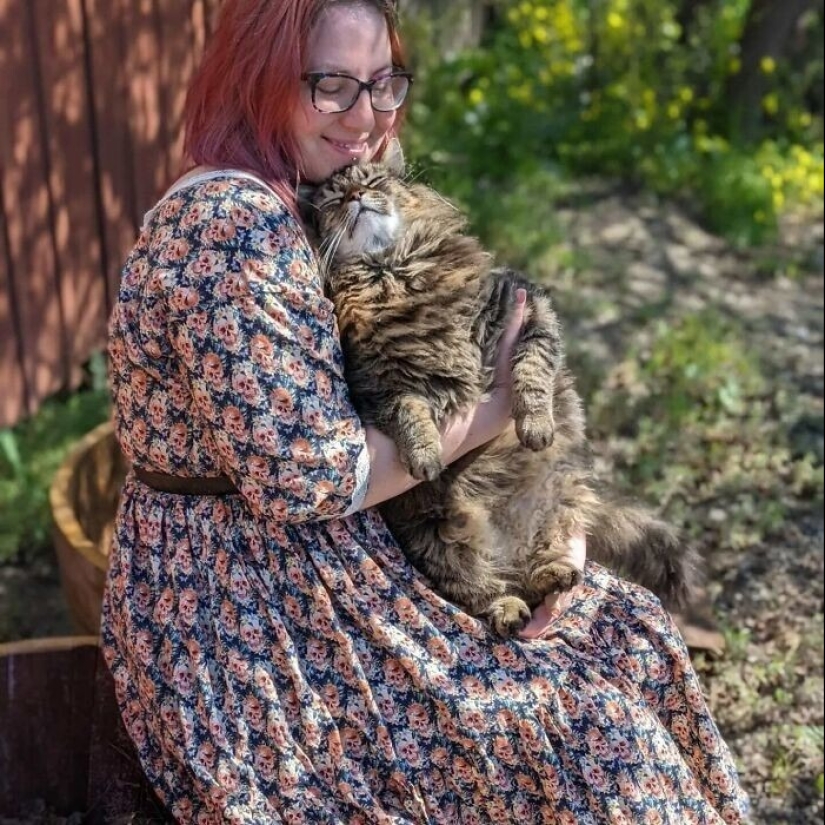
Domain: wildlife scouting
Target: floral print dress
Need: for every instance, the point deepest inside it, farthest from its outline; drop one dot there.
(276, 658)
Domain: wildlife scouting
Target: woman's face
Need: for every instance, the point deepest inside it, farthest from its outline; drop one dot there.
(352, 39)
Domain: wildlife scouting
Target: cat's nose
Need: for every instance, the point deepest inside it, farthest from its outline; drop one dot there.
(355, 195)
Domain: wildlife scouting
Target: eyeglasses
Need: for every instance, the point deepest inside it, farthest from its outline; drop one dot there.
(335, 92)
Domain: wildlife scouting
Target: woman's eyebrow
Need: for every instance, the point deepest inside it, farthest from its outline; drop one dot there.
(337, 69)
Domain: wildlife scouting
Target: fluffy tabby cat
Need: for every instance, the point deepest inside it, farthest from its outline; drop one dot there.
(421, 311)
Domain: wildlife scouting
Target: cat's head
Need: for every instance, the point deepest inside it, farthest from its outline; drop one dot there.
(363, 210)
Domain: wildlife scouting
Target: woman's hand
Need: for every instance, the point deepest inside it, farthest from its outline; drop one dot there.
(503, 380)
(460, 434)
(555, 604)
(483, 423)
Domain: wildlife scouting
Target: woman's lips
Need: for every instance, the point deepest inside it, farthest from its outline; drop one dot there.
(352, 150)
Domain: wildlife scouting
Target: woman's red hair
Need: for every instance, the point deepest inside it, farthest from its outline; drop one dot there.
(242, 98)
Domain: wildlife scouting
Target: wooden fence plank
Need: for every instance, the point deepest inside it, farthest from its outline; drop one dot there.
(72, 183)
(181, 54)
(27, 206)
(13, 397)
(108, 33)
(143, 67)
(213, 8)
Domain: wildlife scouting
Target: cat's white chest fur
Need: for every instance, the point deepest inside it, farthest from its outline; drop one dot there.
(371, 232)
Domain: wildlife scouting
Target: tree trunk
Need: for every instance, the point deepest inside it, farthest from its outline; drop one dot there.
(767, 33)
(686, 17)
(459, 24)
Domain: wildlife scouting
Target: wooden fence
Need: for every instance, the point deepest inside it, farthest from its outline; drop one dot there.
(91, 98)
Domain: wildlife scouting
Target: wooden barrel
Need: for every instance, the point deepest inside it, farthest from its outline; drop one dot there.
(63, 747)
(84, 497)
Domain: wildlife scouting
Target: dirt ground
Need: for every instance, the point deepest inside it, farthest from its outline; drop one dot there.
(767, 592)
(767, 589)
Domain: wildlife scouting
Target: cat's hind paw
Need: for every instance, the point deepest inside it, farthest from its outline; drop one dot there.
(508, 615)
(555, 577)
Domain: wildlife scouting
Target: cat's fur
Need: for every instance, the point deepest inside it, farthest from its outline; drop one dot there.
(421, 311)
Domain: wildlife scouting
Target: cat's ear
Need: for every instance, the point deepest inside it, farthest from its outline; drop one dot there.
(393, 159)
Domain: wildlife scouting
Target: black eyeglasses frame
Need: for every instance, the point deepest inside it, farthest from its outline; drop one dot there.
(314, 78)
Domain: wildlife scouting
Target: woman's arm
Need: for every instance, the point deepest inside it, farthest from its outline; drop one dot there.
(460, 435)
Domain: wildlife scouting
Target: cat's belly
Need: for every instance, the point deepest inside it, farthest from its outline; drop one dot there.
(522, 490)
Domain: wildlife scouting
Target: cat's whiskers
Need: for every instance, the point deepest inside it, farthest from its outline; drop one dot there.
(329, 248)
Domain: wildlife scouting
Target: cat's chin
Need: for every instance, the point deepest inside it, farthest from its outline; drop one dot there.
(373, 234)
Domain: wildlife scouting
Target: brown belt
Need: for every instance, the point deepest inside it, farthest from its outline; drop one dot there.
(184, 486)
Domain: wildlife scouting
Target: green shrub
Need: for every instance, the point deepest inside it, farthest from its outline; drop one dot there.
(618, 89)
(30, 454)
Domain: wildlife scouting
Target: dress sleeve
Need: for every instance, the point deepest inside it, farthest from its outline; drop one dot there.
(258, 344)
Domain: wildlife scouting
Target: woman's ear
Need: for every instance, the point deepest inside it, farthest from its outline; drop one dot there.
(393, 158)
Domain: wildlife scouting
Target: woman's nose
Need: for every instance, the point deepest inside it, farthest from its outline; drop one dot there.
(361, 116)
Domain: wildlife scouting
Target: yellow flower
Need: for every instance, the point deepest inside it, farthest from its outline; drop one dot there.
(540, 34)
(770, 103)
(476, 97)
(735, 65)
(768, 65)
(615, 21)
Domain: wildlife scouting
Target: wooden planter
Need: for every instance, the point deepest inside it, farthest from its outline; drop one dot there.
(84, 497)
(63, 747)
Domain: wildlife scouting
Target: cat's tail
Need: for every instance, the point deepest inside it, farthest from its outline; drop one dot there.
(631, 541)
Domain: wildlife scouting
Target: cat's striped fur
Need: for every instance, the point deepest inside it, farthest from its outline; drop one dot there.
(421, 311)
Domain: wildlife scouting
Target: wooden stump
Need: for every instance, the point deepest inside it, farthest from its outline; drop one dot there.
(63, 746)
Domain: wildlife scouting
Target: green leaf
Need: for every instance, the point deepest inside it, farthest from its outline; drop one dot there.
(10, 452)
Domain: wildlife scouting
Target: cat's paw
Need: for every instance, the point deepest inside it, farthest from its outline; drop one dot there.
(423, 462)
(555, 577)
(536, 431)
(508, 615)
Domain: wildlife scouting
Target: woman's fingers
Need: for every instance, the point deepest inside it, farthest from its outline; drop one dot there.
(555, 604)
(509, 338)
(545, 614)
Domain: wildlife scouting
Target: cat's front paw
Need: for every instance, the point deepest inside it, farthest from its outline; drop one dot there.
(536, 431)
(423, 462)
(508, 615)
(555, 577)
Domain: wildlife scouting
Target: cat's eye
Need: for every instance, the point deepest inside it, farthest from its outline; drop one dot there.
(332, 200)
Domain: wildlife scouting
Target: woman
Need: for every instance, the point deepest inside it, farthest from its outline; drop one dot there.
(275, 657)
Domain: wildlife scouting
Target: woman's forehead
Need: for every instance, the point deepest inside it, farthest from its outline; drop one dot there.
(350, 38)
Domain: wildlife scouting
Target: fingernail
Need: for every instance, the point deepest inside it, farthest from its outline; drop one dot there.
(521, 296)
